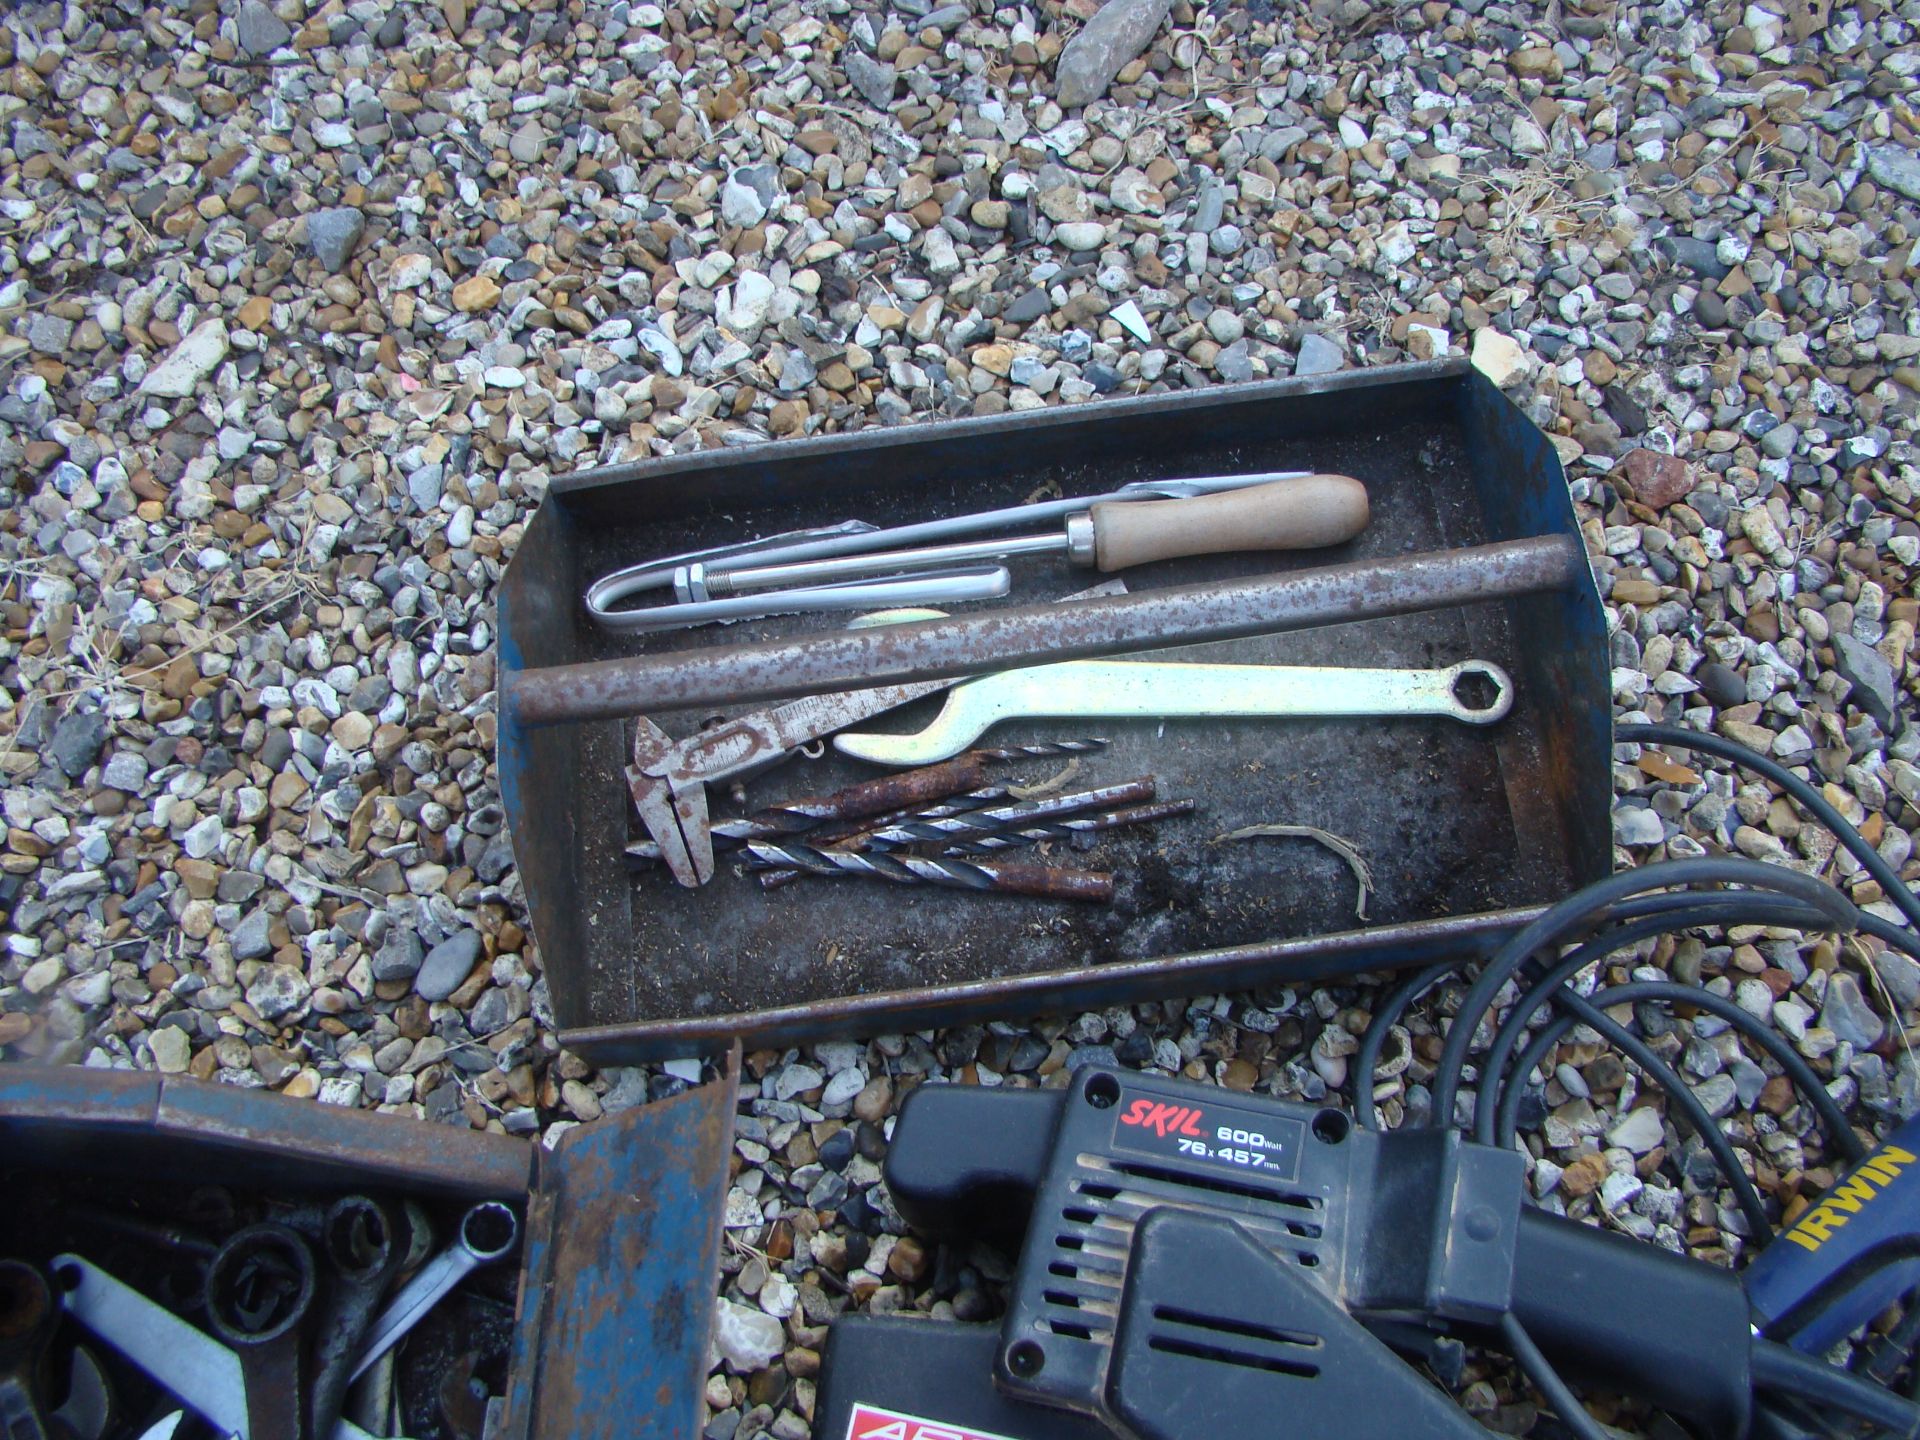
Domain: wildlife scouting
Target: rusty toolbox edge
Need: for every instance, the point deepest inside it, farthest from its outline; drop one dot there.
(1322, 958)
(872, 443)
(60, 1108)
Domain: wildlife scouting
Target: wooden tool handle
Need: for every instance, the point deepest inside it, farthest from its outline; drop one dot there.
(1300, 514)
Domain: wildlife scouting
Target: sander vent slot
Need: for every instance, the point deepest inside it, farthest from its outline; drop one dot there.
(1229, 1341)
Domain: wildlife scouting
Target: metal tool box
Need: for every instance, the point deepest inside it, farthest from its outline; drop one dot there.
(1468, 831)
(620, 1259)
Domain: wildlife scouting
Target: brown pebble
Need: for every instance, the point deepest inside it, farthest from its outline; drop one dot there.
(908, 1261)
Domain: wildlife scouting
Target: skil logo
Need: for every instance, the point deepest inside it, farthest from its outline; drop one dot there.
(1164, 1119)
(870, 1422)
(1816, 1227)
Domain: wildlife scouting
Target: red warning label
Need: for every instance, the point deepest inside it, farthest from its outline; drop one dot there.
(870, 1422)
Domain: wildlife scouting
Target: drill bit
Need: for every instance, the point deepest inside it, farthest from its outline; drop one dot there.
(1041, 751)
(932, 824)
(1072, 825)
(731, 834)
(887, 795)
(1043, 881)
(995, 820)
(852, 834)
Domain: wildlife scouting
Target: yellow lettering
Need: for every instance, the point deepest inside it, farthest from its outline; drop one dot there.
(1805, 1242)
(1887, 1165)
(1821, 1222)
(1851, 1195)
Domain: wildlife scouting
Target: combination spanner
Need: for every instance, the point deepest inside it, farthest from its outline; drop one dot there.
(191, 1365)
(487, 1232)
(1083, 689)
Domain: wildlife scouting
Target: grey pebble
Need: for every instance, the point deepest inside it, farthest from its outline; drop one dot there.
(1874, 688)
(399, 956)
(1318, 355)
(77, 739)
(874, 79)
(1849, 1015)
(1118, 31)
(333, 233)
(259, 30)
(448, 964)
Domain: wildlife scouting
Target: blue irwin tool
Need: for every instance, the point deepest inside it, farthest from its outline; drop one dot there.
(1848, 1256)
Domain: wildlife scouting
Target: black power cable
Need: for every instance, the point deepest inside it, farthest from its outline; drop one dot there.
(1704, 912)
(1782, 1369)
(1622, 911)
(1800, 1074)
(1810, 799)
(1580, 911)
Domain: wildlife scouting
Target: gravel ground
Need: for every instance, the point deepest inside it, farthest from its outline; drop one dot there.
(302, 308)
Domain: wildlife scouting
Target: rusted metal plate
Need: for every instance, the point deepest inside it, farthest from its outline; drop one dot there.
(1460, 824)
(330, 1145)
(620, 1273)
(114, 1120)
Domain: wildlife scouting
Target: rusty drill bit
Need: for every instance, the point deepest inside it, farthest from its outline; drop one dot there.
(899, 791)
(1070, 826)
(1043, 881)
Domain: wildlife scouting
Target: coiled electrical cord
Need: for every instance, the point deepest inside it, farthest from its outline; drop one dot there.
(1609, 916)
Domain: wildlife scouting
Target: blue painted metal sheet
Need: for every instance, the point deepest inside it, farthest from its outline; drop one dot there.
(620, 1273)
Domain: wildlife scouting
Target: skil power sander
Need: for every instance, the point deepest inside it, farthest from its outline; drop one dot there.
(1197, 1261)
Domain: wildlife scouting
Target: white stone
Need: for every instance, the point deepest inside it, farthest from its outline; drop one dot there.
(1501, 358)
(1397, 245)
(171, 1049)
(1128, 317)
(942, 258)
(191, 361)
(1080, 234)
(410, 271)
(752, 297)
(1639, 1131)
(747, 1340)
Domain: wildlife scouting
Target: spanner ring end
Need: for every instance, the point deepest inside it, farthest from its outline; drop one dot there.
(1495, 708)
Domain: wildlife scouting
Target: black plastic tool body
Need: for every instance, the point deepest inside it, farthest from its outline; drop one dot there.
(1410, 1233)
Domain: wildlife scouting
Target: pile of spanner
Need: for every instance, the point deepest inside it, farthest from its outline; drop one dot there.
(296, 1309)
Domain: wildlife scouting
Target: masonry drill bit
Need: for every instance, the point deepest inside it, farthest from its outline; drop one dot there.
(731, 834)
(1042, 881)
(1071, 826)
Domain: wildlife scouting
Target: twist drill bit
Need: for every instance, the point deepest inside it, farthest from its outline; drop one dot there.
(903, 830)
(887, 795)
(852, 835)
(1042, 881)
(1073, 825)
(972, 824)
(734, 833)
(1042, 751)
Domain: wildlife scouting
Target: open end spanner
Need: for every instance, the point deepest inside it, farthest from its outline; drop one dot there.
(1149, 689)
(192, 1366)
(487, 1232)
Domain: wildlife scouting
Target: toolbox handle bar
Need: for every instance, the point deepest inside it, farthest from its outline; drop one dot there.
(982, 641)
